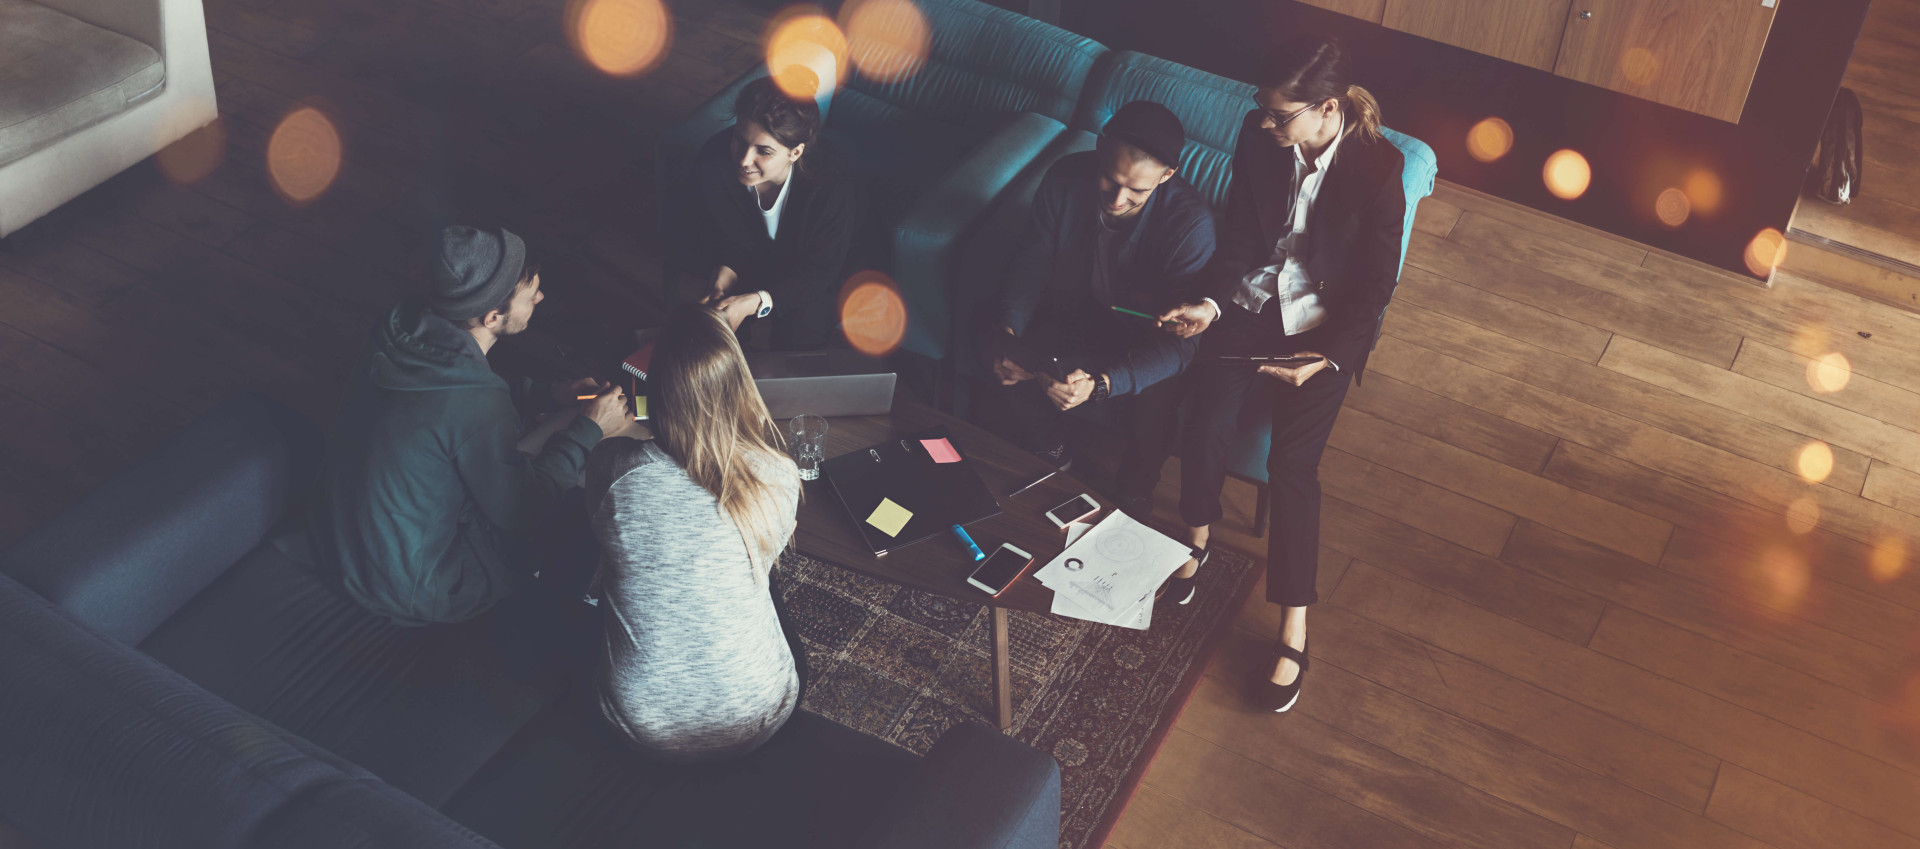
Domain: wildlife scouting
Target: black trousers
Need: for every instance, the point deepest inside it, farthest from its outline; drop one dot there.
(1030, 420)
(1303, 416)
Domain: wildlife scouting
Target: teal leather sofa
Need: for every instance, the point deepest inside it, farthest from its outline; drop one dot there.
(936, 149)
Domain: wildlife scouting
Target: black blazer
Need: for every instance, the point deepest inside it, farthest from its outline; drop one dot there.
(804, 267)
(1353, 231)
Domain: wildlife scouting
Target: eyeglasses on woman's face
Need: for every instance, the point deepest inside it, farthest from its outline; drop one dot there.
(1281, 119)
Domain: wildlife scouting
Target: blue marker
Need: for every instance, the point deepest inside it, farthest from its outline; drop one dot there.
(961, 532)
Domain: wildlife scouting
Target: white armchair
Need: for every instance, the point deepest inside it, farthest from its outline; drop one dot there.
(82, 96)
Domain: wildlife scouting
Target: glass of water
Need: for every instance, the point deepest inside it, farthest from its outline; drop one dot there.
(806, 437)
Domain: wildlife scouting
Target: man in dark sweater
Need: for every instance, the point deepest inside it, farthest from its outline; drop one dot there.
(428, 502)
(1113, 227)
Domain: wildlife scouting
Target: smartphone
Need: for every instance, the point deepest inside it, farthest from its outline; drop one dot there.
(1073, 510)
(1273, 361)
(1030, 358)
(1001, 569)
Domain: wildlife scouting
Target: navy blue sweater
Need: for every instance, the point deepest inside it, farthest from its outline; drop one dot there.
(1052, 280)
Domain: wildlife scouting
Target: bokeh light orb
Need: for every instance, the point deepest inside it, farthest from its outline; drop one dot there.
(1829, 373)
(873, 317)
(887, 39)
(1814, 462)
(1780, 578)
(1703, 190)
(621, 38)
(195, 156)
(1639, 65)
(1672, 207)
(303, 155)
(1567, 174)
(1803, 515)
(1765, 253)
(806, 51)
(1889, 560)
(1490, 139)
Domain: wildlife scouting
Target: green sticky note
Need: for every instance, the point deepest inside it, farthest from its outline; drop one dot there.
(889, 517)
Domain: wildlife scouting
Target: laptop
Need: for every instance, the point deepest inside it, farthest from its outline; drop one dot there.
(836, 382)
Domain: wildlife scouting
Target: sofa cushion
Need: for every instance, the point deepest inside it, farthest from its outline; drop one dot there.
(102, 746)
(982, 63)
(59, 76)
(570, 781)
(423, 708)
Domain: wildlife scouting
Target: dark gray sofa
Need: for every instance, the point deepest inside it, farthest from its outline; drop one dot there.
(173, 674)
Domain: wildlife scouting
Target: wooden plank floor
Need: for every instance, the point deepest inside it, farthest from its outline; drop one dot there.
(1578, 592)
(1885, 74)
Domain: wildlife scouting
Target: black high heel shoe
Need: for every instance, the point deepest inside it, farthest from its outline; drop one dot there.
(1279, 698)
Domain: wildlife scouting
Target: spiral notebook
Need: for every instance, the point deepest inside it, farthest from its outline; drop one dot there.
(937, 488)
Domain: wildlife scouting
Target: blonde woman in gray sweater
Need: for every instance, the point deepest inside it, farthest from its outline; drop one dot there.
(695, 666)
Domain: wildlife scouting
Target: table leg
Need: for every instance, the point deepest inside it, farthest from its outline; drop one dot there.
(1002, 675)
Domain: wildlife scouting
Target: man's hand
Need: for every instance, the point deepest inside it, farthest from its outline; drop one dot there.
(739, 308)
(1009, 373)
(609, 410)
(1188, 320)
(1072, 392)
(1298, 374)
(569, 391)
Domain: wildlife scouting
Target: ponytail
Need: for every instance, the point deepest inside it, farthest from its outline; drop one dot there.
(1363, 111)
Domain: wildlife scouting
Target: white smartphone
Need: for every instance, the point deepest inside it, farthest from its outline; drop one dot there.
(1001, 569)
(1076, 508)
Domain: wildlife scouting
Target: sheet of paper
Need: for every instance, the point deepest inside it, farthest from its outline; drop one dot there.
(941, 450)
(1109, 572)
(889, 517)
(1139, 617)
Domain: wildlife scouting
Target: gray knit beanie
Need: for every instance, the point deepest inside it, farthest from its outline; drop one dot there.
(474, 271)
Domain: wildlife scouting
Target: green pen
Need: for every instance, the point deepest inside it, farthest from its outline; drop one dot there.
(1152, 318)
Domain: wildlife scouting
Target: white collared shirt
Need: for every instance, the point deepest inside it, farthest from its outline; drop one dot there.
(1284, 278)
(772, 215)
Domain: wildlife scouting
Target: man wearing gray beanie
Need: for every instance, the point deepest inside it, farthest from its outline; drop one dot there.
(1115, 228)
(429, 506)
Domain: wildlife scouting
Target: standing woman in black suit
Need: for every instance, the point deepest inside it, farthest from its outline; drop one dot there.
(1307, 260)
(774, 220)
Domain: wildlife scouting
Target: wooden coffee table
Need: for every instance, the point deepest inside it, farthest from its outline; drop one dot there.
(940, 564)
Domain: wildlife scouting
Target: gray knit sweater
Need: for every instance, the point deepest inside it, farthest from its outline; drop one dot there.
(696, 666)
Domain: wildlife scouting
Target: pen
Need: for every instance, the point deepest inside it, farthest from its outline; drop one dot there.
(1043, 479)
(961, 532)
(1153, 318)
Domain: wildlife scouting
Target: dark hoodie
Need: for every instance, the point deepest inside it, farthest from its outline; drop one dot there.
(422, 471)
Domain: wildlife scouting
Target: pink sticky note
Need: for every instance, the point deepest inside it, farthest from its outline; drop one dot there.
(941, 450)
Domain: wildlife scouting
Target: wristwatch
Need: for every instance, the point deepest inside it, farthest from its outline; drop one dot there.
(766, 305)
(1101, 389)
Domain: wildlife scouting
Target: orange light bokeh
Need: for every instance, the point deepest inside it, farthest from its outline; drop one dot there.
(1639, 65)
(1490, 139)
(621, 38)
(872, 315)
(1672, 207)
(805, 51)
(1567, 174)
(194, 156)
(1767, 250)
(1829, 373)
(1803, 515)
(303, 156)
(1889, 559)
(1703, 191)
(1780, 578)
(887, 39)
(1814, 462)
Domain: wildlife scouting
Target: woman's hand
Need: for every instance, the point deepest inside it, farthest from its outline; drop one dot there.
(739, 308)
(1298, 374)
(723, 280)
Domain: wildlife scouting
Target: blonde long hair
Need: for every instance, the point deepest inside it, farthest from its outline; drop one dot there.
(709, 418)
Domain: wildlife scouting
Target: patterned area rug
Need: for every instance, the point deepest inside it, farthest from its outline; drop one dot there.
(905, 665)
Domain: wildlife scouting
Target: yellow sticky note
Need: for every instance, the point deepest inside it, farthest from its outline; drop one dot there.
(640, 407)
(889, 517)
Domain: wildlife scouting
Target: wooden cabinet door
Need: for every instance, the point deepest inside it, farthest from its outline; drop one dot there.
(1523, 31)
(1366, 10)
(1698, 55)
